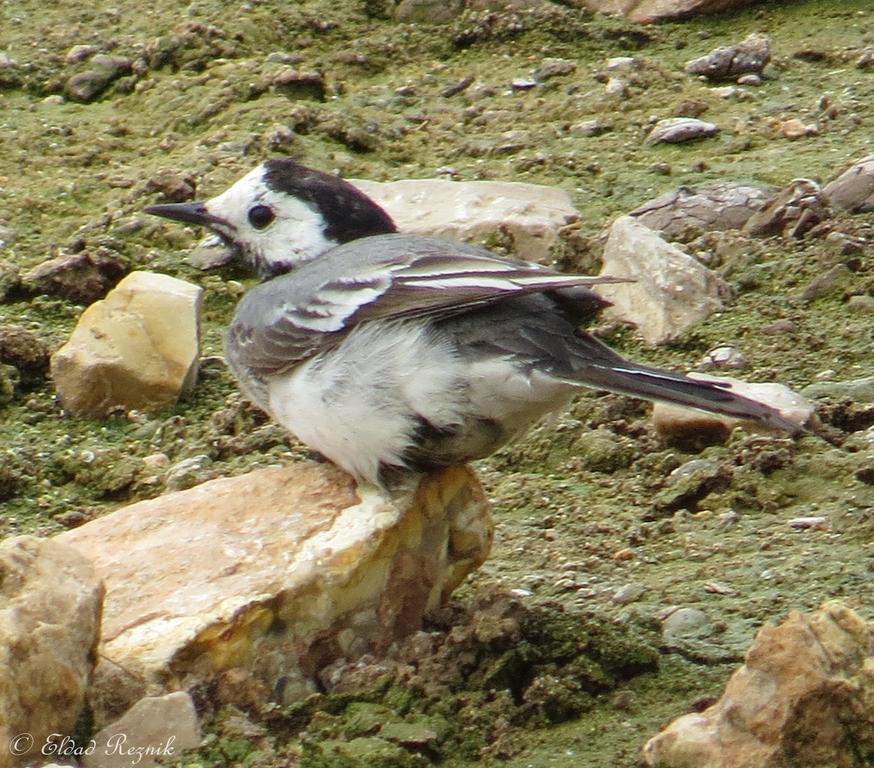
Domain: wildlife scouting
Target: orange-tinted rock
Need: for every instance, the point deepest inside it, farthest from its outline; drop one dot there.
(50, 600)
(278, 572)
(678, 425)
(804, 696)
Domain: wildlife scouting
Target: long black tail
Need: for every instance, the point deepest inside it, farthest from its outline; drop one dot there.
(595, 365)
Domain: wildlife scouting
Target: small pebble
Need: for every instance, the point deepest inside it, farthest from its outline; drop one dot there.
(750, 79)
(685, 622)
(728, 519)
(616, 86)
(455, 88)
(674, 130)
(628, 593)
(590, 128)
(794, 129)
(807, 523)
(523, 84)
(725, 358)
(622, 63)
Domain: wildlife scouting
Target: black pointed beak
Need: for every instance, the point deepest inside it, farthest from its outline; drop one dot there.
(190, 213)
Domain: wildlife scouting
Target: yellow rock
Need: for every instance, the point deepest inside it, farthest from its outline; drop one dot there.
(137, 348)
(279, 573)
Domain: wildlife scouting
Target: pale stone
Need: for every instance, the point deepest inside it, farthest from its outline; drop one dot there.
(154, 727)
(689, 210)
(806, 689)
(50, 599)
(730, 62)
(853, 190)
(137, 348)
(278, 572)
(648, 11)
(675, 130)
(675, 421)
(671, 291)
(531, 214)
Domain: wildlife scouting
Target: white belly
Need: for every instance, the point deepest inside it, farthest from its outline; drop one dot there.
(362, 403)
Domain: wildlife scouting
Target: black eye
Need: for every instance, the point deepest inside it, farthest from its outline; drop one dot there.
(260, 216)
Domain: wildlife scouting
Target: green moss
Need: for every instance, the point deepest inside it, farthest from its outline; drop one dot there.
(578, 492)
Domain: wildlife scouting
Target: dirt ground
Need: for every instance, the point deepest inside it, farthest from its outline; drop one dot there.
(557, 652)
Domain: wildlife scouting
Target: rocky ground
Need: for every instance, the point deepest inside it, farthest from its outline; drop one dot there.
(626, 582)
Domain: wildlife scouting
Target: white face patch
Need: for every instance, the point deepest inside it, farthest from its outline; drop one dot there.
(296, 234)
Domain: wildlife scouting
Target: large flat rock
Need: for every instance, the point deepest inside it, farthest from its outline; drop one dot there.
(278, 572)
(531, 214)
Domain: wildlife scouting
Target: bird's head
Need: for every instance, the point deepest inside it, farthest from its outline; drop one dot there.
(282, 214)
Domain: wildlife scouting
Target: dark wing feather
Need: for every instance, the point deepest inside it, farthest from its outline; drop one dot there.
(393, 277)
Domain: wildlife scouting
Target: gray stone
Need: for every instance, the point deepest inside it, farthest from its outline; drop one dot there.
(188, 473)
(82, 277)
(50, 602)
(671, 291)
(155, 727)
(79, 53)
(686, 622)
(554, 68)
(866, 59)
(172, 186)
(688, 484)
(300, 85)
(853, 190)
(591, 128)
(792, 212)
(213, 252)
(729, 62)
(523, 83)
(725, 358)
(23, 349)
(649, 11)
(10, 279)
(628, 593)
(616, 86)
(675, 130)
(857, 390)
(710, 207)
(87, 86)
(7, 237)
(750, 79)
(834, 279)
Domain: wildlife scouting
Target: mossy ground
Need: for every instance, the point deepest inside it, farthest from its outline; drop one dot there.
(576, 516)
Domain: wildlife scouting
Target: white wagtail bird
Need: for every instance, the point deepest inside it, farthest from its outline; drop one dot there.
(383, 350)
